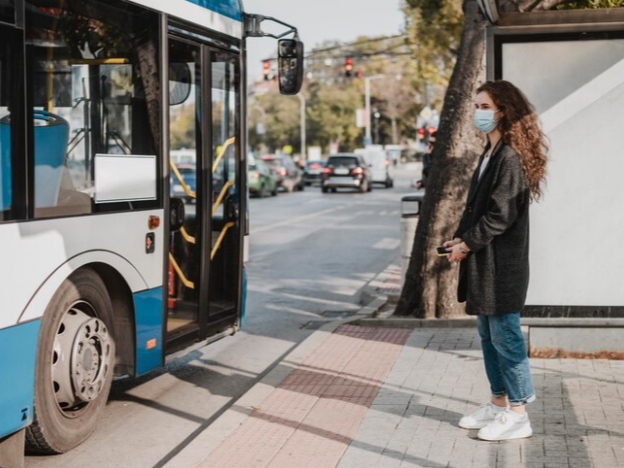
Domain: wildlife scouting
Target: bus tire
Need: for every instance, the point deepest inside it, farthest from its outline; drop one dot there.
(74, 365)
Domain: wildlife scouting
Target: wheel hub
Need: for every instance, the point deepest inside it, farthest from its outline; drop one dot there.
(81, 359)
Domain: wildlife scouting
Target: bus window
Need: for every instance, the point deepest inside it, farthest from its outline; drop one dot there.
(6, 196)
(9, 99)
(95, 90)
(7, 11)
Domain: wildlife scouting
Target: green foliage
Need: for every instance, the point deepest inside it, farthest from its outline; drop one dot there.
(434, 28)
(183, 127)
(281, 121)
(331, 116)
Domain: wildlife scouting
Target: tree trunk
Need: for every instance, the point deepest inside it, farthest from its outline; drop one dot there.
(431, 282)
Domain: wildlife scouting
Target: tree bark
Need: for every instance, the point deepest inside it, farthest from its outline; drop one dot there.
(431, 282)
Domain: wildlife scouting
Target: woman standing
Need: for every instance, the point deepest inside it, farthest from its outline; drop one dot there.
(492, 246)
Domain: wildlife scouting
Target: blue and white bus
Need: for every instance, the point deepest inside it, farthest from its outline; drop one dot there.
(104, 270)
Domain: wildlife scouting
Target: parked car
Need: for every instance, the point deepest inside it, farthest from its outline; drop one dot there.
(312, 171)
(346, 170)
(289, 176)
(261, 179)
(189, 177)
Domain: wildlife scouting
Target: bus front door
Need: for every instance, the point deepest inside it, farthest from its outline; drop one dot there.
(227, 194)
(205, 255)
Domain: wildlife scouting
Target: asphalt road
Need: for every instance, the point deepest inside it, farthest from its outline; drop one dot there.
(310, 256)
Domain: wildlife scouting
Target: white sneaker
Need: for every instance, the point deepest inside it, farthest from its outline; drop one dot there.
(506, 426)
(482, 417)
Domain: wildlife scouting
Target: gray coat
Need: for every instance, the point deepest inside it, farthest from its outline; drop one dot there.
(494, 277)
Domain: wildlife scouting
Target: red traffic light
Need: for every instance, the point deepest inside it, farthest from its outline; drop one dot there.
(266, 68)
(348, 66)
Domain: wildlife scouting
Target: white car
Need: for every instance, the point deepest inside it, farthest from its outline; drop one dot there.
(379, 163)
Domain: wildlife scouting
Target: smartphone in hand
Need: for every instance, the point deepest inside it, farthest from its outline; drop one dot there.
(442, 252)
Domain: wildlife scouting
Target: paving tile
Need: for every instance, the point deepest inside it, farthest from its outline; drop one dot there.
(371, 397)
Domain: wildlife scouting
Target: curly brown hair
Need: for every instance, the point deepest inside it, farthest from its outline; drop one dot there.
(521, 131)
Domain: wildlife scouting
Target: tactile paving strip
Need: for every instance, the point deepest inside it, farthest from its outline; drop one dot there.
(310, 419)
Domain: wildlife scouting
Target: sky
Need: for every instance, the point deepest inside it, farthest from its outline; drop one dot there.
(320, 20)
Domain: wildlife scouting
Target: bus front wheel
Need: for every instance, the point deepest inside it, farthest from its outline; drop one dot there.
(75, 363)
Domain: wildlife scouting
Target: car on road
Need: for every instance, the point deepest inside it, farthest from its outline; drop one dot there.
(261, 179)
(346, 170)
(312, 171)
(289, 176)
(188, 172)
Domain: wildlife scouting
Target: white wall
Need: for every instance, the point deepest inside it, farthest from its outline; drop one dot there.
(577, 230)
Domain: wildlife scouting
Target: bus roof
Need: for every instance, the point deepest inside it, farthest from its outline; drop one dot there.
(224, 16)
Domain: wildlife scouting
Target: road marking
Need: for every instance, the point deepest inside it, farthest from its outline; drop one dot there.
(387, 243)
(295, 220)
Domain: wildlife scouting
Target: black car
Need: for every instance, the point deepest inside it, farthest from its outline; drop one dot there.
(346, 170)
(289, 176)
(312, 171)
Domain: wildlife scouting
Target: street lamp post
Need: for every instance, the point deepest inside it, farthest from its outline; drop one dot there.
(367, 80)
(303, 125)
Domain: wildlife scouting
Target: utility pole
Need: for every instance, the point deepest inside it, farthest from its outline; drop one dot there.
(303, 125)
(367, 80)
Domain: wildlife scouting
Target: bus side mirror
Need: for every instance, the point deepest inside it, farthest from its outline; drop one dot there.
(176, 214)
(290, 65)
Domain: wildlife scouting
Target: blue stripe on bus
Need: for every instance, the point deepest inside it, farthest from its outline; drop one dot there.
(18, 351)
(148, 306)
(243, 299)
(229, 8)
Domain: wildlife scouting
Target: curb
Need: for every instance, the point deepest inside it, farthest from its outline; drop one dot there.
(207, 441)
(412, 323)
(376, 287)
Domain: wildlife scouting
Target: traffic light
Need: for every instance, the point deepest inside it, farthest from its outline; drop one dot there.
(421, 134)
(266, 68)
(348, 66)
(358, 74)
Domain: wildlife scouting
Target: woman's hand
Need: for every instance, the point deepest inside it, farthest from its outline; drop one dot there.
(453, 242)
(458, 252)
(451, 247)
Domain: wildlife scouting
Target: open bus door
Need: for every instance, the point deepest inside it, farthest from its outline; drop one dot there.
(205, 257)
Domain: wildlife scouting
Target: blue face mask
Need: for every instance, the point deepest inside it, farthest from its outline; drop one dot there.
(484, 120)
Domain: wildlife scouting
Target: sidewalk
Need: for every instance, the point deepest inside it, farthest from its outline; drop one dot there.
(364, 396)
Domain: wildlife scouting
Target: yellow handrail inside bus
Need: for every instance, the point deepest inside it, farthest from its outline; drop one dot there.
(220, 239)
(228, 142)
(176, 267)
(187, 237)
(100, 61)
(227, 185)
(185, 187)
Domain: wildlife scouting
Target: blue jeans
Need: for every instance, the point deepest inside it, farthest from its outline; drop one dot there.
(505, 356)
